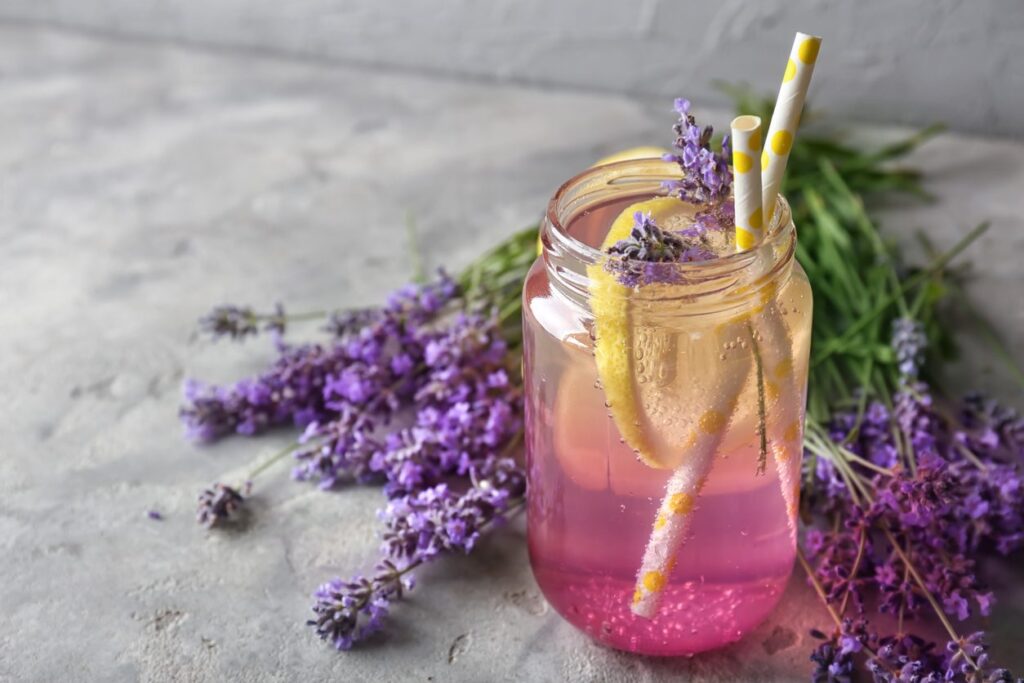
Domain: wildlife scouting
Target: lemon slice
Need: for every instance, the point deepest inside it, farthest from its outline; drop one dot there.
(627, 354)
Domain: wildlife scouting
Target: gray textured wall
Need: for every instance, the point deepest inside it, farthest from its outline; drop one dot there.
(915, 61)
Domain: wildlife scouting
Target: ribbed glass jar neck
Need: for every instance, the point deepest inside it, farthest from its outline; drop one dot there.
(698, 288)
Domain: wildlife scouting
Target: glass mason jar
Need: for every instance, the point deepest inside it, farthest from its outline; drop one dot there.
(692, 548)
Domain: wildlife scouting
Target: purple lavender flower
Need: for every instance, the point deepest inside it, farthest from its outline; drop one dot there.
(154, 515)
(909, 342)
(291, 391)
(218, 504)
(342, 324)
(236, 322)
(706, 175)
(648, 242)
(420, 526)
(648, 254)
(294, 389)
(239, 322)
(339, 449)
(833, 663)
(463, 407)
(949, 486)
(932, 512)
(350, 611)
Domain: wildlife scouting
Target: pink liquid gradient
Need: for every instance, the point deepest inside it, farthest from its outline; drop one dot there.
(592, 504)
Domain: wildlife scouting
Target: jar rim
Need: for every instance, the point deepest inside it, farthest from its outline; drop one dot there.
(648, 171)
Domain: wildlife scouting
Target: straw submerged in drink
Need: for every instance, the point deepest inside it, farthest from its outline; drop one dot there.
(778, 343)
(754, 196)
(675, 514)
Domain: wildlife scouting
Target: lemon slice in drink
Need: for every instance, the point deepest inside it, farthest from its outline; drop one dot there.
(624, 350)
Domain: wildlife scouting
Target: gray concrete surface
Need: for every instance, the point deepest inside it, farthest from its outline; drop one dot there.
(139, 184)
(915, 61)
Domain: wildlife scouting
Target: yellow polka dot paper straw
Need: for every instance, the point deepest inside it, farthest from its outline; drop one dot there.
(746, 174)
(777, 144)
(675, 513)
(788, 107)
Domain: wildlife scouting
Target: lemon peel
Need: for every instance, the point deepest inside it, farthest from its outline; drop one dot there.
(615, 335)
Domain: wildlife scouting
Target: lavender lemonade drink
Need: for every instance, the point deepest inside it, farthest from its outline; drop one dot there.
(593, 500)
(666, 341)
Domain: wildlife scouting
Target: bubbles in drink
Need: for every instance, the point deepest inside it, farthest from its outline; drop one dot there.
(590, 532)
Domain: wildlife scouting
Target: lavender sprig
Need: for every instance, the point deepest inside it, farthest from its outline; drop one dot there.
(240, 322)
(908, 341)
(351, 611)
(293, 390)
(706, 175)
(218, 504)
(647, 242)
(436, 520)
(417, 395)
(648, 254)
(906, 497)
(418, 528)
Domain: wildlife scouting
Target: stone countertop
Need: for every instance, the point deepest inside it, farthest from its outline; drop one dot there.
(139, 184)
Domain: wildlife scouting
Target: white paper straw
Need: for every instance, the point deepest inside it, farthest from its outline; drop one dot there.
(682, 489)
(746, 179)
(777, 349)
(788, 107)
(774, 345)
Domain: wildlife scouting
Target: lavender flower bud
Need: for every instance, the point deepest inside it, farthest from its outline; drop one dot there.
(706, 176)
(236, 322)
(218, 504)
(350, 611)
(909, 342)
(647, 255)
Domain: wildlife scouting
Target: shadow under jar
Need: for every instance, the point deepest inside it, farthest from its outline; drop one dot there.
(693, 550)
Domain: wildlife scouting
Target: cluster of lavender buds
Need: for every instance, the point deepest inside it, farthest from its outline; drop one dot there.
(417, 396)
(293, 389)
(239, 322)
(418, 527)
(908, 341)
(647, 255)
(905, 658)
(648, 242)
(218, 504)
(904, 500)
(706, 175)
(453, 384)
(350, 611)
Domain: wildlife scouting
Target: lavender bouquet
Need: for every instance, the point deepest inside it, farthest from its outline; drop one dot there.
(905, 488)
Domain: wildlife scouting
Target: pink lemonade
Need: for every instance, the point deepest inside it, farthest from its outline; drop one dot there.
(592, 502)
